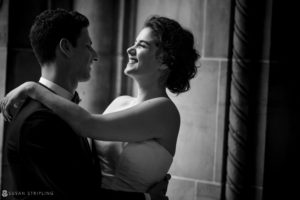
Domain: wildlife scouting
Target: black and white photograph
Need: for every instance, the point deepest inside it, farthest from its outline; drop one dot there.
(149, 100)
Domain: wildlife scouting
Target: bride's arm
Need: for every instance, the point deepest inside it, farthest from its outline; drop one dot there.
(144, 121)
(141, 122)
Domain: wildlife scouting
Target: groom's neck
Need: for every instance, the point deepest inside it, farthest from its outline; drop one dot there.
(60, 78)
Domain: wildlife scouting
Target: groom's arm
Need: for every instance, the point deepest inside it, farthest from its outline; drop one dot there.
(156, 192)
(120, 195)
(112, 195)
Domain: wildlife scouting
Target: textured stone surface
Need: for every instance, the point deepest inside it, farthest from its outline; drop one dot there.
(220, 126)
(196, 143)
(217, 28)
(181, 189)
(207, 191)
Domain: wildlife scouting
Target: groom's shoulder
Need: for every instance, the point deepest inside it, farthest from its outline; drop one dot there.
(32, 115)
(32, 111)
(32, 106)
(35, 118)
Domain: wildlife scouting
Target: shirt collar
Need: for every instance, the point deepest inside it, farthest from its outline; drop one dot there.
(56, 88)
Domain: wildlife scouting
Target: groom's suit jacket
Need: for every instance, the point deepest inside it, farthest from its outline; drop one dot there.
(48, 160)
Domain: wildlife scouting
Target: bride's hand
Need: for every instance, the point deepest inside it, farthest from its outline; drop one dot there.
(12, 102)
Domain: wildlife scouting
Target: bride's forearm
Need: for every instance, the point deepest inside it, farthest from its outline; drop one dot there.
(73, 114)
(133, 124)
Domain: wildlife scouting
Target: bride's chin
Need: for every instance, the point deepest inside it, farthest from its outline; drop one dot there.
(128, 70)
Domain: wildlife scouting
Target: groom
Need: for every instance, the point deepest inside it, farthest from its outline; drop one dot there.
(46, 158)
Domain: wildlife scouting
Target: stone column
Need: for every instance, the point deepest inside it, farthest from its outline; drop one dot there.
(95, 93)
(111, 25)
(3, 65)
(127, 11)
(244, 55)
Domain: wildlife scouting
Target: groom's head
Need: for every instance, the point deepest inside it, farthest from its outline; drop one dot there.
(61, 36)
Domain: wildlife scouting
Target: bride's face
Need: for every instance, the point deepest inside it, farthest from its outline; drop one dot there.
(142, 56)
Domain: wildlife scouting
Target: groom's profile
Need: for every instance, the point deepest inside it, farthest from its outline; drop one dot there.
(46, 159)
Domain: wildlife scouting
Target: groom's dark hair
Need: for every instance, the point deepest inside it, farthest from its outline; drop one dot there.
(50, 27)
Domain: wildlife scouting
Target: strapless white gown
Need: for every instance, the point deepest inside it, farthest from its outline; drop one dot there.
(132, 166)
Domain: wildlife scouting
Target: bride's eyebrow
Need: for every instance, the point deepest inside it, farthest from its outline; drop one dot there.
(148, 43)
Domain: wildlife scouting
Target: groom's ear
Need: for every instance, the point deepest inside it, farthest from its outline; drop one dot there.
(65, 47)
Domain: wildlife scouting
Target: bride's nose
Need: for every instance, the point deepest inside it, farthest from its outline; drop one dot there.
(131, 51)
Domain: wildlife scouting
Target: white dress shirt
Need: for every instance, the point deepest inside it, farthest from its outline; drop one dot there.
(56, 88)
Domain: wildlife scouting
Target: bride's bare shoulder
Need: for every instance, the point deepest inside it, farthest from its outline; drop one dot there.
(119, 103)
(123, 100)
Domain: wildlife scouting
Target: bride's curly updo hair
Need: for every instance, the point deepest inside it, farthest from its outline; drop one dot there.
(176, 50)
